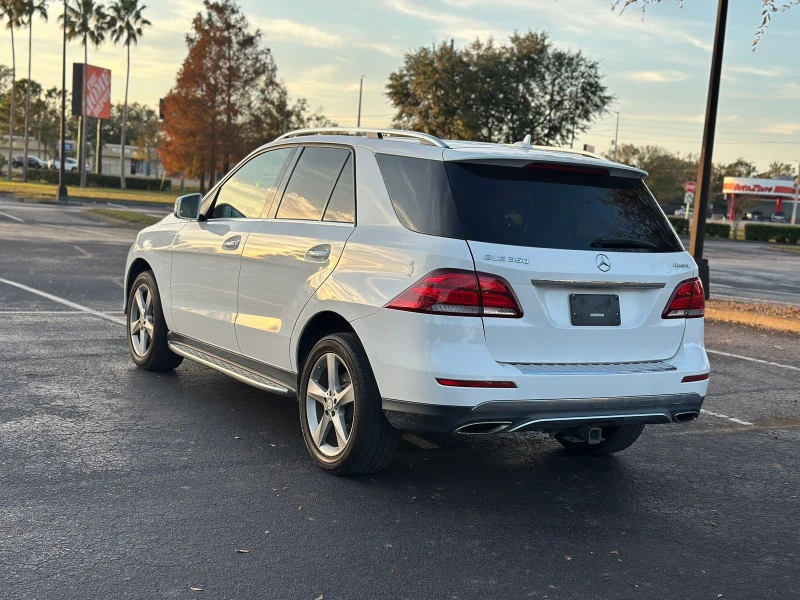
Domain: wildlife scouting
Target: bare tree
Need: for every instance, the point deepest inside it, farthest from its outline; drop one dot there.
(741, 206)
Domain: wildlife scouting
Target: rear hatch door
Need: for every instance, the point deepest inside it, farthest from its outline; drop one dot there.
(588, 253)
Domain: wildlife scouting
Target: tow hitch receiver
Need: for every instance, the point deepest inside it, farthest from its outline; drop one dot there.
(585, 434)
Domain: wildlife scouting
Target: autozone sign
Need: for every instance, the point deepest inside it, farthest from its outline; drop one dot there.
(757, 187)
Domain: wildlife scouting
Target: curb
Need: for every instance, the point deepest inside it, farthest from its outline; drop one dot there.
(754, 319)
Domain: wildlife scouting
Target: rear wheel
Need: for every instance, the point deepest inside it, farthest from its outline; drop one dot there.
(615, 439)
(147, 329)
(343, 424)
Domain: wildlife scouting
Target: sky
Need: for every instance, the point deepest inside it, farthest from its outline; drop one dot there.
(656, 65)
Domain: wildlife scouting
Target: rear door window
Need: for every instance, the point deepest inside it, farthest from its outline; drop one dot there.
(312, 182)
(342, 205)
(568, 210)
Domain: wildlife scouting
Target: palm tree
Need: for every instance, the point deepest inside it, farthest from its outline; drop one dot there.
(31, 8)
(126, 26)
(88, 22)
(11, 13)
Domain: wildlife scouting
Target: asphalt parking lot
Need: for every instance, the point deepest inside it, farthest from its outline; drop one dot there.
(117, 483)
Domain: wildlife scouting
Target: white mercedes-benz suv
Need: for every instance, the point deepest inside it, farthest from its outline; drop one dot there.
(391, 281)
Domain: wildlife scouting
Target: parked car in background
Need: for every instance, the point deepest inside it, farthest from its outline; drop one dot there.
(448, 305)
(779, 217)
(33, 162)
(70, 164)
(756, 215)
(681, 212)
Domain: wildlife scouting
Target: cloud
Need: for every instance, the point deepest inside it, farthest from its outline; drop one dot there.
(451, 25)
(657, 76)
(286, 30)
(773, 72)
(785, 128)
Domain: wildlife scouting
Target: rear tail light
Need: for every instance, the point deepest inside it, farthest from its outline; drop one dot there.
(461, 293)
(688, 301)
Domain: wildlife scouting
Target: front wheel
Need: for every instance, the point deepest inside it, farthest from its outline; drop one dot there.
(147, 329)
(615, 439)
(343, 424)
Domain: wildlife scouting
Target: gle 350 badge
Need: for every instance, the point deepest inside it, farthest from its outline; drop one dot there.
(508, 259)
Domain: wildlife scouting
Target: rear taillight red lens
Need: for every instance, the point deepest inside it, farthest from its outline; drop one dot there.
(471, 383)
(459, 292)
(688, 301)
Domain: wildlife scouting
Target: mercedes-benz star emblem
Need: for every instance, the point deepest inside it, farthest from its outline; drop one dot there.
(603, 262)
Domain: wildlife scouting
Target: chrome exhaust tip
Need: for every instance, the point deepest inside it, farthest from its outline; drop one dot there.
(483, 427)
(685, 417)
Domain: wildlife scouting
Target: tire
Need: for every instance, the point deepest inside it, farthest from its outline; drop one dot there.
(616, 439)
(156, 356)
(371, 441)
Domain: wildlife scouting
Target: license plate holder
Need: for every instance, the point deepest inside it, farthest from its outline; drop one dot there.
(594, 310)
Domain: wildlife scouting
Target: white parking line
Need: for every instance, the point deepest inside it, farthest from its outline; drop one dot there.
(77, 229)
(12, 217)
(419, 442)
(755, 360)
(65, 302)
(116, 205)
(721, 416)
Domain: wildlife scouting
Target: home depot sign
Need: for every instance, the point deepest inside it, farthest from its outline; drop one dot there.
(769, 188)
(97, 103)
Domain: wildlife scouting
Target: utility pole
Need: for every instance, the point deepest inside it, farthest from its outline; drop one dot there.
(616, 136)
(796, 193)
(709, 129)
(61, 195)
(360, 92)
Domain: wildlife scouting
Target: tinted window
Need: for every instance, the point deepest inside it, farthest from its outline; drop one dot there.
(421, 195)
(312, 183)
(553, 209)
(244, 195)
(342, 205)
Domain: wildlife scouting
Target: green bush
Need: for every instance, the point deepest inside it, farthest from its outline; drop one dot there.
(679, 224)
(718, 230)
(762, 232)
(101, 181)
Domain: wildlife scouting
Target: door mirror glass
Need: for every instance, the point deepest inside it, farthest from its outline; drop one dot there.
(188, 206)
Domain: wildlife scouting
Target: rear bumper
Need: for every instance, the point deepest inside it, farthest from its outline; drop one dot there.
(542, 415)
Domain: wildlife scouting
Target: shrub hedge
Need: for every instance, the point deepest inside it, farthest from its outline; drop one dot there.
(718, 230)
(681, 227)
(94, 180)
(762, 232)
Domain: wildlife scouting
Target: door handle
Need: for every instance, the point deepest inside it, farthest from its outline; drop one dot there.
(232, 243)
(319, 253)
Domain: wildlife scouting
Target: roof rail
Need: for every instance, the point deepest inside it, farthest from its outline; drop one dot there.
(571, 151)
(375, 133)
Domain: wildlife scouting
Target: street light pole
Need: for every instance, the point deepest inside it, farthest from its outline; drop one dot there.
(360, 91)
(796, 193)
(704, 176)
(62, 195)
(616, 137)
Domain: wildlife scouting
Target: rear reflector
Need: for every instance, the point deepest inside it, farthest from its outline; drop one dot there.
(467, 383)
(693, 378)
(688, 301)
(461, 293)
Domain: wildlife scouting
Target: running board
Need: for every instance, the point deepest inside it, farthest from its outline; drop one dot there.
(230, 368)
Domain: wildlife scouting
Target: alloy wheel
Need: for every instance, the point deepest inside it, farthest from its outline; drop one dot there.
(140, 320)
(330, 403)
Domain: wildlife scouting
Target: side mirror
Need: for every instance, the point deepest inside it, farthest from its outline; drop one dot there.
(188, 207)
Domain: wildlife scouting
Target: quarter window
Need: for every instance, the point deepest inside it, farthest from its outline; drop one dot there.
(244, 195)
(342, 205)
(312, 183)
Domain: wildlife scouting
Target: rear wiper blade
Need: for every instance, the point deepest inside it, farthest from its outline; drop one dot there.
(604, 242)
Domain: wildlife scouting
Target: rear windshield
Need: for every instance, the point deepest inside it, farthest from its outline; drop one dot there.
(541, 208)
